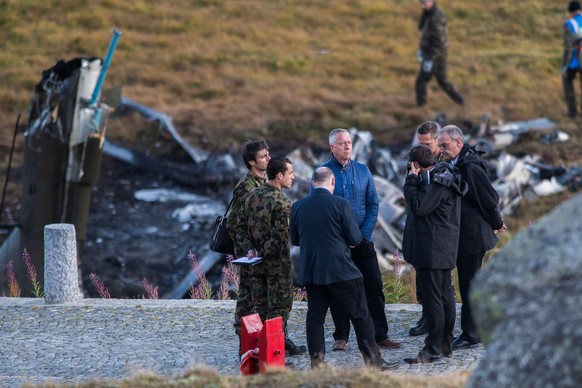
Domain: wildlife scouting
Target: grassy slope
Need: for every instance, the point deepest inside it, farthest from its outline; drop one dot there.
(290, 70)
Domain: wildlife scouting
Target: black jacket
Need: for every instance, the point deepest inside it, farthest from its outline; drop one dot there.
(432, 227)
(479, 213)
(323, 225)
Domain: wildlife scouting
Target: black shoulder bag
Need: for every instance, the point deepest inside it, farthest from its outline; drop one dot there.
(221, 241)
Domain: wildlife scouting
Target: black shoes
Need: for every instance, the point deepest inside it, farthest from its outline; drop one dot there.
(460, 343)
(388, 365)
(420, 328)
(423, 357)
(294, 350)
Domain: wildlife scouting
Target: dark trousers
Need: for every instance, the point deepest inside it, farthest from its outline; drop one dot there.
(467, 267)
(364, 256)
(418, 282)
(439, 305)
(439, 70)
(350, 297)
(568, 86)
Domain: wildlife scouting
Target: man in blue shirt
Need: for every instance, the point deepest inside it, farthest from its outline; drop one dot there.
(571, 58)
(354, 182)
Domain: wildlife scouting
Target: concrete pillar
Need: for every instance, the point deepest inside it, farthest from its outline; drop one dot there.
(61, 282)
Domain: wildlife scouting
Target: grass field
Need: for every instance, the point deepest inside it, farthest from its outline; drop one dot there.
(290, 70)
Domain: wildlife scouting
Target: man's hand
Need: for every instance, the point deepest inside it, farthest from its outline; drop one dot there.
(419, 55)
(564, 71)
(427, 66)
(502, 229)
(414, 168)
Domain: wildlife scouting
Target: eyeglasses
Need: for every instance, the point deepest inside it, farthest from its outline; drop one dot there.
(444, 146)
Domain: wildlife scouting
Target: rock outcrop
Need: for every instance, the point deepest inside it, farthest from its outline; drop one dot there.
(528, 306)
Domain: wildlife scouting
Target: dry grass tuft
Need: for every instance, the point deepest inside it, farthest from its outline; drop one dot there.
(323, 377)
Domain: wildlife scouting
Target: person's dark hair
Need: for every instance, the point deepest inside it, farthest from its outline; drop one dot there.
(250, 150)
(429, 127)
(277, 165)
(422, 155)
(574, 6)
(322, 174)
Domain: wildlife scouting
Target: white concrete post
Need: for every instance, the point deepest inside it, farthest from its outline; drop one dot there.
(61, 281)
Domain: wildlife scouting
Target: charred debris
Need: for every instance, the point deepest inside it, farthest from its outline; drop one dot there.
(65, 140)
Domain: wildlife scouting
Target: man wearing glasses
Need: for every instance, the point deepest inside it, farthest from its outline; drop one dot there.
(480, 222)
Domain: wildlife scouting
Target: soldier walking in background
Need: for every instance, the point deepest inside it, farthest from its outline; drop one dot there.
(263, 231)
(432, 53)
(571, 59)
(255, 154)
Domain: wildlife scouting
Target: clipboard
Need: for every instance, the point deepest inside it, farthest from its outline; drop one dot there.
(248, 262)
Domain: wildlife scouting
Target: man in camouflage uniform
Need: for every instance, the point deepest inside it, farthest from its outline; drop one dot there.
(432, 53)
(255, 155)
(263, 231)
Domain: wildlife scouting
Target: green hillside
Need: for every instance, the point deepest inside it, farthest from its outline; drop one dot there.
(291, 70)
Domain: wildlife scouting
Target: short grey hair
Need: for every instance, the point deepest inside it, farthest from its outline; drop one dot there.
(453, 131)
(334, 133)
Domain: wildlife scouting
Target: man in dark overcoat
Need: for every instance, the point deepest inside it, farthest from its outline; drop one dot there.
(480, 222)
(435, 218)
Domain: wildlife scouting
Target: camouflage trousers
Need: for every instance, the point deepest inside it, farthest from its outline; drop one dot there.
(439, 70)
(568, 86)
(244, 302)
(273, 291)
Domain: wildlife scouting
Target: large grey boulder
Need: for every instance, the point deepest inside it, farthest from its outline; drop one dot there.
(527, 304)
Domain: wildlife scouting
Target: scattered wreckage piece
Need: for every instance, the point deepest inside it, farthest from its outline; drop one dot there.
(492, 139)
(62, 154)
(207, 169)
(182, 289)
(215, 170)
(165, 122)
(391, 214)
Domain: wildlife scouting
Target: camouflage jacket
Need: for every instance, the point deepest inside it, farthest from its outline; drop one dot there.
(434, 33)
(242, 188)
(264, 225)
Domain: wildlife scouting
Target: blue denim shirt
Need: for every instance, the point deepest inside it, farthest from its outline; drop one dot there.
(354, 182)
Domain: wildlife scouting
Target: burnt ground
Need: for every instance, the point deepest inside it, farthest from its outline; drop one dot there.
(130, 239)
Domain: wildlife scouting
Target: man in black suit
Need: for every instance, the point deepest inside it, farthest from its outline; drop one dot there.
(323, 225)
